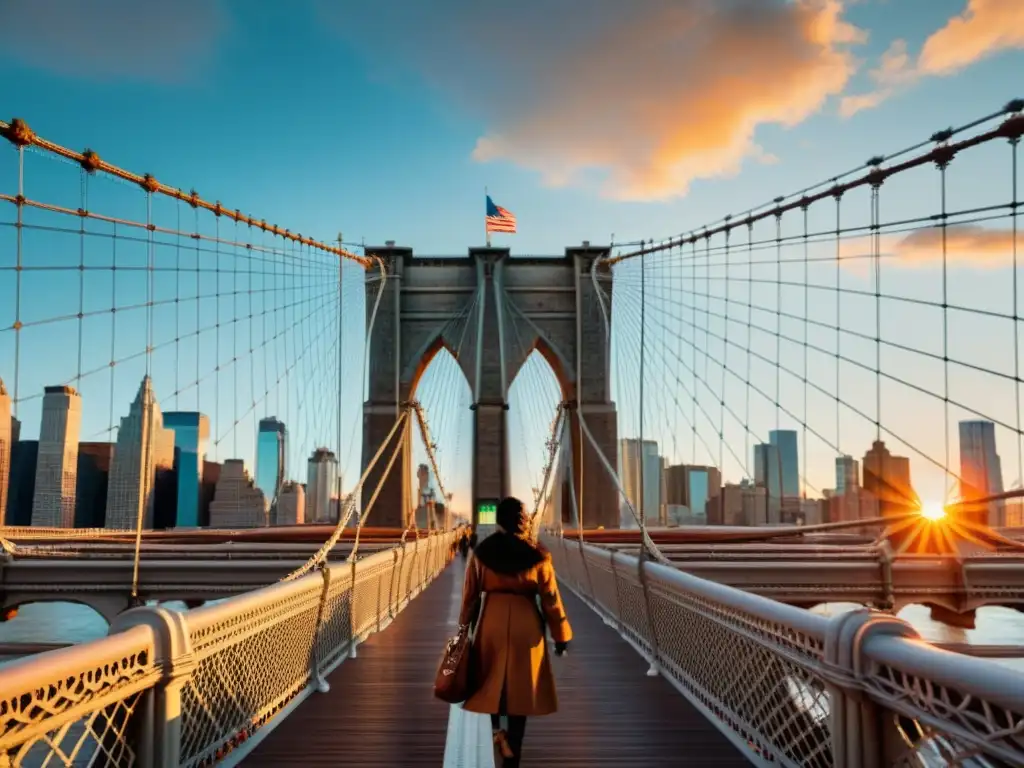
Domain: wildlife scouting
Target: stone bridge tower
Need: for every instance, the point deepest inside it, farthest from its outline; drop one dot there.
(491, 311)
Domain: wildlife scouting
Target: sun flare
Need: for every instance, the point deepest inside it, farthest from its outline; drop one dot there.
(932, 510)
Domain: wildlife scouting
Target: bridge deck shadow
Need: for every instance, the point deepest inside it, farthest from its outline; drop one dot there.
(380, 710)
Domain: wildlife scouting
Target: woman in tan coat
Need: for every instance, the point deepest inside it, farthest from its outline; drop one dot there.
(511, 664)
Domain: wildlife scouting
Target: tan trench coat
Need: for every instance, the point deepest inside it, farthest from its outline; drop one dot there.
(510, 649)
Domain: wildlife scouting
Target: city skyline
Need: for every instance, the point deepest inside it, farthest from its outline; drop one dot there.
(875, 80)
(979, 463)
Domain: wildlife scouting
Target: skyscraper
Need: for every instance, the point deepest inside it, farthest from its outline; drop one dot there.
(291, 505)
(191, 435)
(887, 477)
(768, 475)
(237, 502)
(981, 471)
(787, 444)
(23, 483)
(57, 463)
(143, 446)
(768, 468)
(321, 485)
(91, 485)
(698, 488)
(6, 445)
(847, 475)
(270, 457)
(640, 467)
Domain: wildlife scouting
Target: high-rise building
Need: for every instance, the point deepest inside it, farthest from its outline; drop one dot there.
(94, 461)
(191, 436)
(321, 485)
(768, 469)
(698, 488)
(640, 468)
(887, 477)
(57, 462)
(207, 490)
(7, 441)
(768, 475)
(747, 504)
(270, 457)
(238, 503)
(291, 505)
(23, 482)
(787, 444)
(847, 475)
(981, 471)
(143, 447)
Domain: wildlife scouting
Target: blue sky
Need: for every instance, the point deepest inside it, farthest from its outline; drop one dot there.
(640, 121)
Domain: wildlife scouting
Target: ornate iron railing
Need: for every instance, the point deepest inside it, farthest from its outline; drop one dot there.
(793, 688)
(188, 688)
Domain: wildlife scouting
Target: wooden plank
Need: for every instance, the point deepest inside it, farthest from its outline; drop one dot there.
(612, 714)
(380, 710)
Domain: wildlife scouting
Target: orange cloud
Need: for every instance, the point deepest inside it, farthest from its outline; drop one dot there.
(162, 41)
(676, 95)
(645, 96)
(984, 28)
(966, 245)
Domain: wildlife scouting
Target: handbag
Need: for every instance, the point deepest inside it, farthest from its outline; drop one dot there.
(453, 683)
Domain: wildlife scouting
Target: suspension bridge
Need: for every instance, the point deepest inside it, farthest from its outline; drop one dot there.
(684, 417)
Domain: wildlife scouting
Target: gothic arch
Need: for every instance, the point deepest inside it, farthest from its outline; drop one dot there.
(556, 363)
(504, 308)
(422, 360)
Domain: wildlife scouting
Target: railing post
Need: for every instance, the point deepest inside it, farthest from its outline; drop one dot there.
(353, 616)
(176, 660)
(645, 588)
(316, 673)
(861, 737)
(885, 559)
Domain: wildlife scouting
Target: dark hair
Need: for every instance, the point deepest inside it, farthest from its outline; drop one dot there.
(512, 517)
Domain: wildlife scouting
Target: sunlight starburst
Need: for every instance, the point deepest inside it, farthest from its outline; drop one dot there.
(932, 510)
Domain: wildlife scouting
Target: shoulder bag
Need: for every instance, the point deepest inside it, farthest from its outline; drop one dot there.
(454, 680)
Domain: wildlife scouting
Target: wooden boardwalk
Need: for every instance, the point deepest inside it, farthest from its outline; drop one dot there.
(380, 711)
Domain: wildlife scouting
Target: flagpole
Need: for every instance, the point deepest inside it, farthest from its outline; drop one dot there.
(487, 232)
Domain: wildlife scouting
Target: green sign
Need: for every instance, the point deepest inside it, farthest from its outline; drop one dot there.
(487, 513)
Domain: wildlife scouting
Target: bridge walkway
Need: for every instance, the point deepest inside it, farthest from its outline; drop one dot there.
(380, 710)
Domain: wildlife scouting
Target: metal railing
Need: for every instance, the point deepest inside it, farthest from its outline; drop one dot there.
(176, 688)
(793, 688)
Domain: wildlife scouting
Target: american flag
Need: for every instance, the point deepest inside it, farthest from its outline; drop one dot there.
(499, 219)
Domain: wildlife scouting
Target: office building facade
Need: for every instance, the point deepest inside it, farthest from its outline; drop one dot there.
(143, 448)
(640, 467)
(787, 443)
(981, 470)
(53, 504)
(271, 445)
(191, 438)
(321, 485)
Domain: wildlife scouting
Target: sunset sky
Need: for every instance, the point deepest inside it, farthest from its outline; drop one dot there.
(635, 120)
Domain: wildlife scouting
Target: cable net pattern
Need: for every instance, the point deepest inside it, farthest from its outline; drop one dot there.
(80, 706)
(765, 351)
(762, 671)
(256, 653)
(248, 658)
(859, 326)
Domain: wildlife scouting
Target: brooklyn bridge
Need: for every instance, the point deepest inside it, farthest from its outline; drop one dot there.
(717, 433)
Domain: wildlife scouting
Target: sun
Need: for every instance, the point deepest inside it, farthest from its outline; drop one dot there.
(932, 510)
